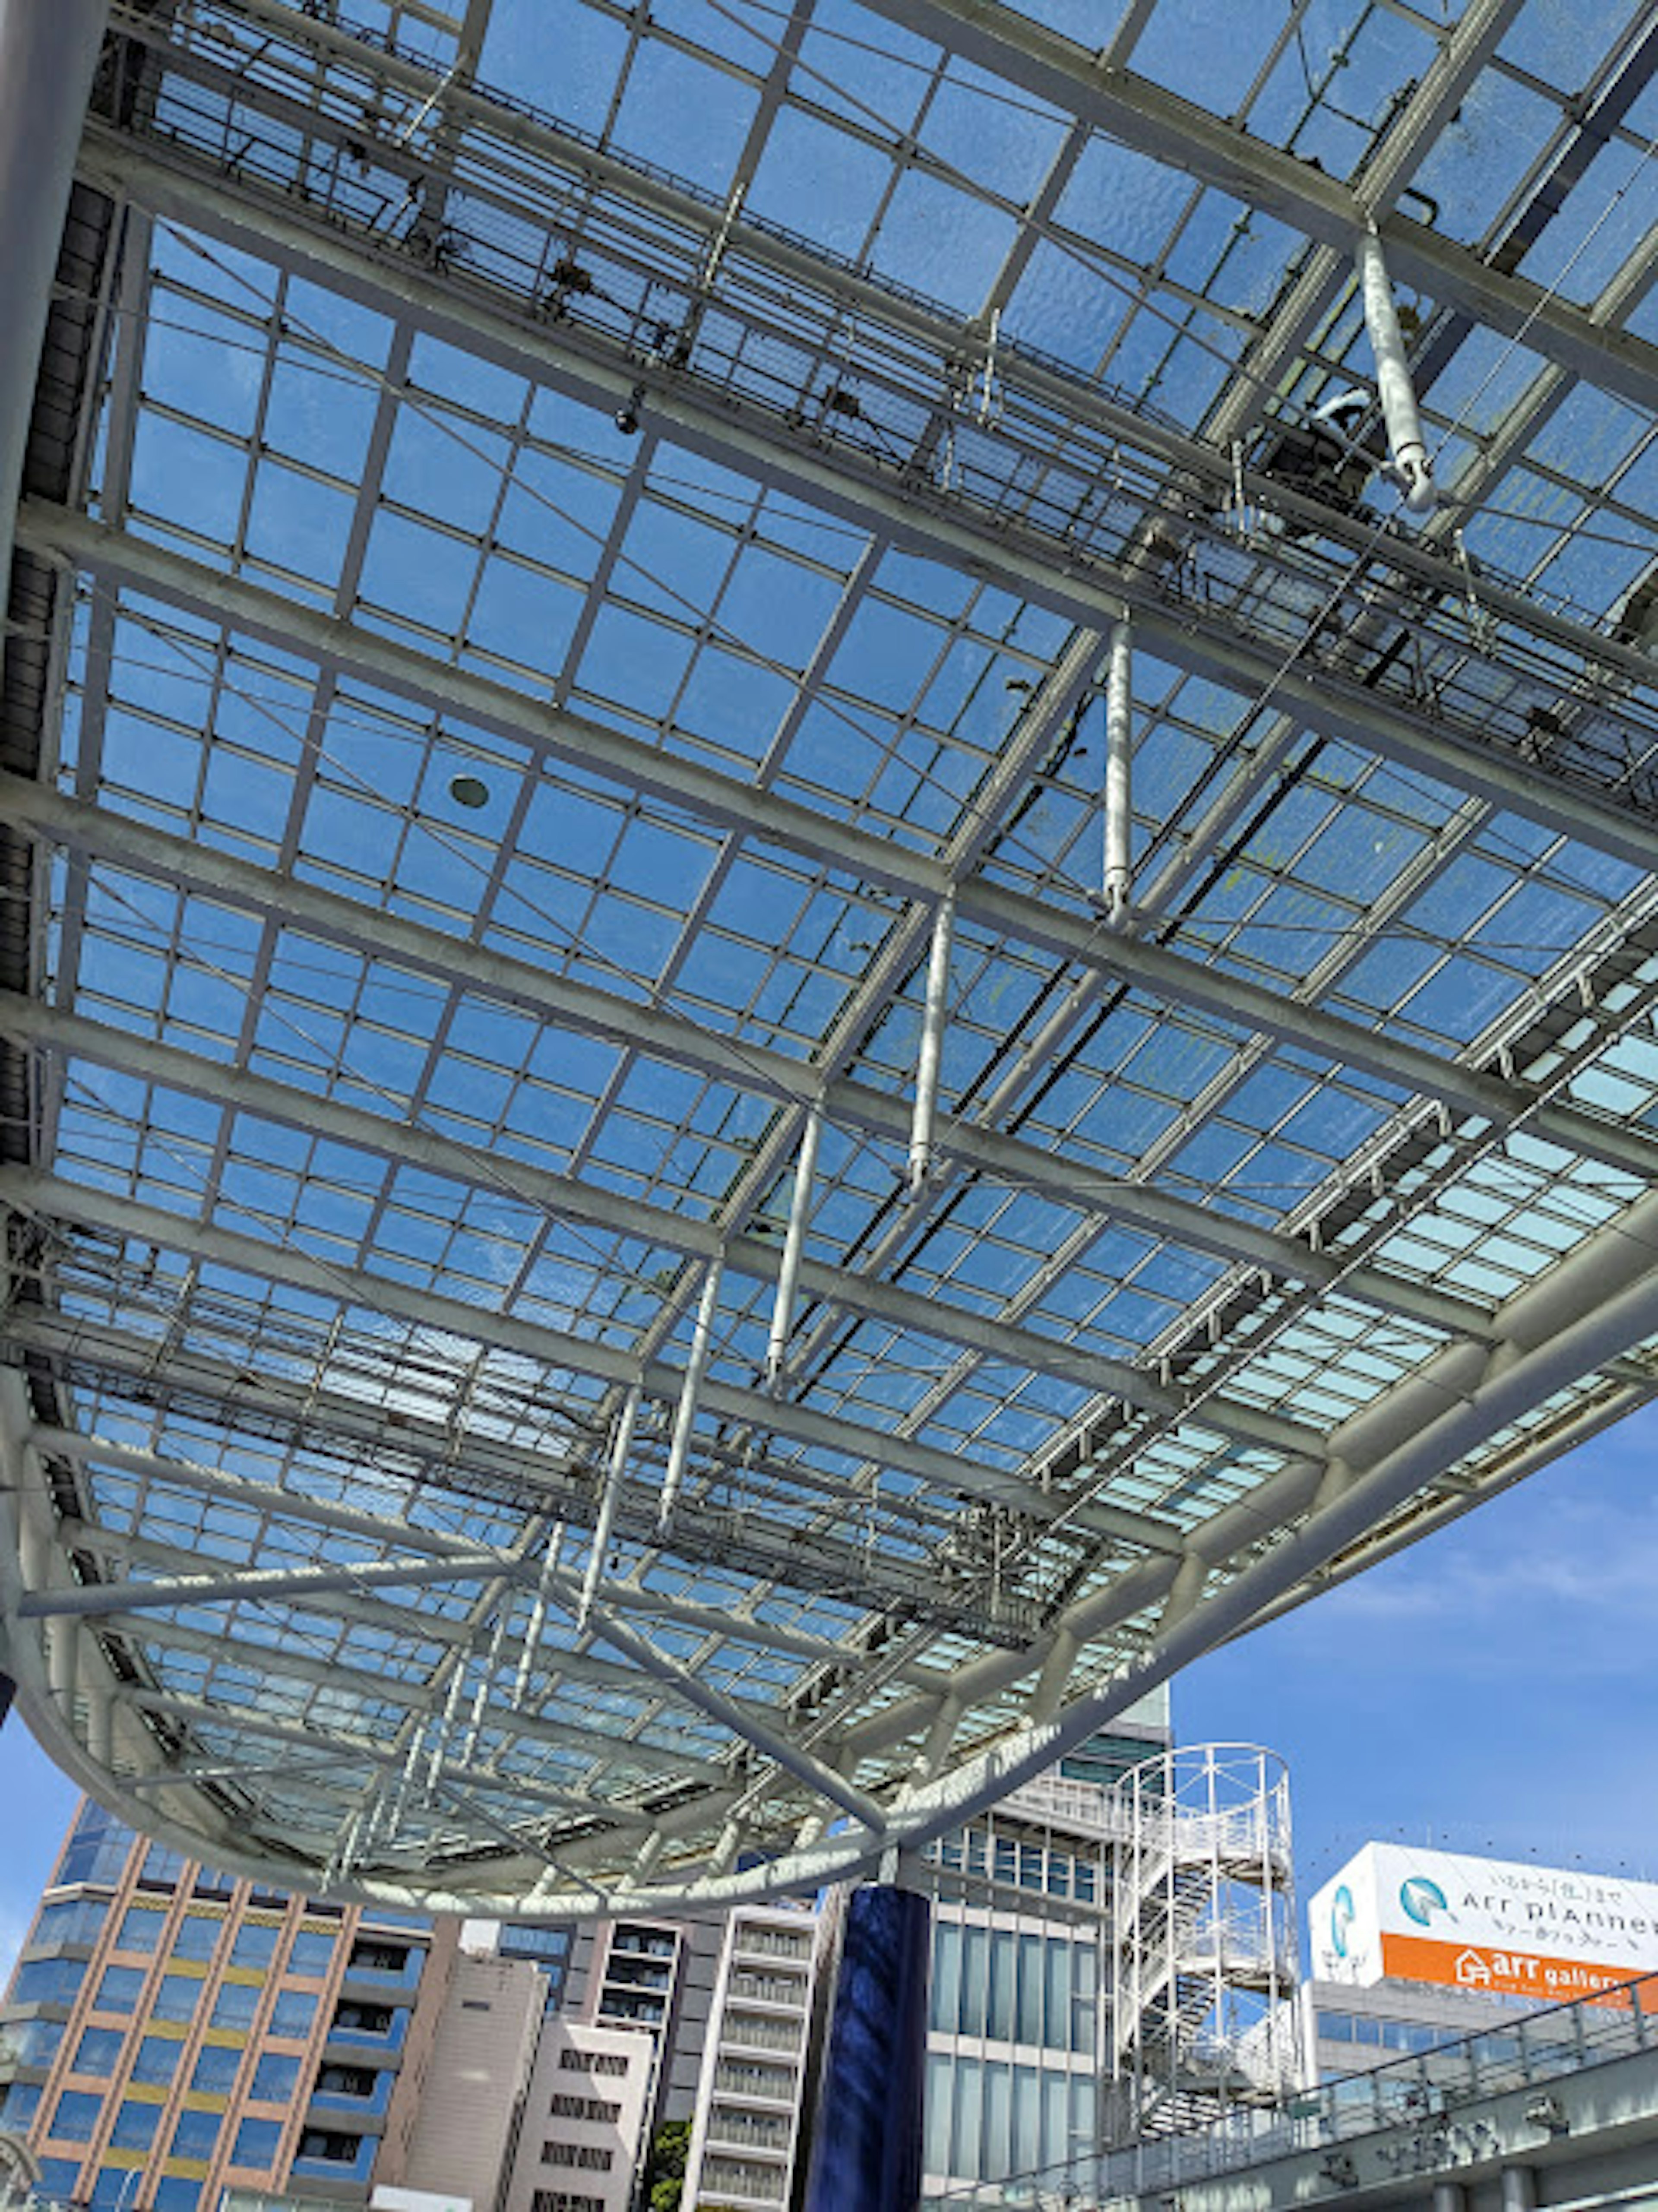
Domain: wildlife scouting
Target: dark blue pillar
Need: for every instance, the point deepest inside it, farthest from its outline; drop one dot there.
(866, 2137)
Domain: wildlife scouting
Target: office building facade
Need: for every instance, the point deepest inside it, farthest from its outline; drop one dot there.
(170, 2031)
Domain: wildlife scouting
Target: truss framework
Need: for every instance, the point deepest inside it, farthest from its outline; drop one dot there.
(610, 1235)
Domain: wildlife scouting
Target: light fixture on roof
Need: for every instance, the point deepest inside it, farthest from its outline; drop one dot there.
(1410, 467)
(627, 416)
(468, 791)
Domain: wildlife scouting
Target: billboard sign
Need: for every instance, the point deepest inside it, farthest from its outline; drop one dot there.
(1502, 1925)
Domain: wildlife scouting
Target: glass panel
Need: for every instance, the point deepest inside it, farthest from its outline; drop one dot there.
(177, 1997)
(48, 1981)
(255, 2143)
(292, 2013)
(216, 2069)
(135, 2126)
(311, 1953)
(236, 2004)
(120, 1989)
(255, 1945)
(76, 2115)
(195, 2134)
(140, 1929)
(274, 2078)
(97, 1847)
(156, 2061)
(99, 2052)
(196, 1937)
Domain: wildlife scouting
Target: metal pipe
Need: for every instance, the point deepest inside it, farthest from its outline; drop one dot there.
(1412, 465)
(788, 1275)
(930, 1055)
(1118, 879)
(684, 1419)
(622, 1443)
(537, 1615)
(48, 51)
(89, 1598)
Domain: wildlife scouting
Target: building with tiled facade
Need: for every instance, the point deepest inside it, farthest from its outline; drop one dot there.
(170, 2031)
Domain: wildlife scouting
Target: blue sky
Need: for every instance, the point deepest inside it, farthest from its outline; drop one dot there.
(1491, 1689)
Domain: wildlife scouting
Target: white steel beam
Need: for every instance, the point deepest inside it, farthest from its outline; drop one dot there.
(27, 1191)
(1169, 973)
(566, 1197)
(1020, 50)
(256, 1585)
(793, 1758)
(763, 446)
(858, 1103)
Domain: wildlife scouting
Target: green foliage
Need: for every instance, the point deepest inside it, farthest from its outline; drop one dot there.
(665, 2169)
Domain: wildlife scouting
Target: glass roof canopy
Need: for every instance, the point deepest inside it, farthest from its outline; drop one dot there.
(574, 612)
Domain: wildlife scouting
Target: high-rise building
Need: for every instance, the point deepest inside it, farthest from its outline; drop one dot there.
(170, 2031)
(755, 2091)
(583, 2139)
(464, 2123)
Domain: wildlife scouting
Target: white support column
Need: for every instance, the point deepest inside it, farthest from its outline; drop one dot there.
(1118, 880)
(684, 1420)
(537, 1615)
(48, 51)
(788, 1275)
(622, 1443)
(1412, 465)
(930, 1054)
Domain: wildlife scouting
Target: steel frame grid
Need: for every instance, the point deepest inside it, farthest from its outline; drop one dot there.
(384, 1154)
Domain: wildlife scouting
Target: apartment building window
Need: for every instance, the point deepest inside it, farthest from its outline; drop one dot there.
(195, 2135)
(141, 1928)
(156, 2060)
(739, 2078)
(755, 2032)
(135, 2126)
(161, 1867)
(69, 1920)
(97, 1848)
(369, 1957)
(326, 2144)
(255, 1944)
(19, 2103)
(77, 2116)
(177, 1997)
(196, 1937)
(217, 2065)
(738, 2178)
(51, 1981)
(565, 2200)
(99, 2052)
(274, 2078)
(256, 2144)
(593, 2061)
(292, 2013)
(774, 1944)
(31, 2042)
(236, 2004)
(566, 2106)
(595, 2158)
(312, 1951)
(119, 1991)
(346, 2080)
(745, 2130)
